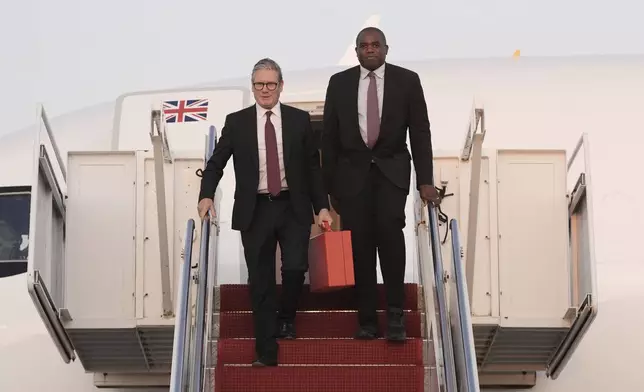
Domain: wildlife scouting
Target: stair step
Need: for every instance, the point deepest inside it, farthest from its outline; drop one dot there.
(329, 324)
(320, 378)
(326, 351)
(236, 298)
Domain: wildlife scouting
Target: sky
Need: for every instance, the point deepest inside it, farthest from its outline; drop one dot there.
(70, 54)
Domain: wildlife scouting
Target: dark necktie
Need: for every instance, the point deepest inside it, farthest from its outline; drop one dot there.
(373, 112)
(273, 177)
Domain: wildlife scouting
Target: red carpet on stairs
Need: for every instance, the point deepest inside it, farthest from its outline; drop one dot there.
(324, 357)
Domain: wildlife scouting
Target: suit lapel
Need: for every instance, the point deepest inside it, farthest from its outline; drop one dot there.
(252, 135)
(287, 133)
(388, 95)
(352, 97)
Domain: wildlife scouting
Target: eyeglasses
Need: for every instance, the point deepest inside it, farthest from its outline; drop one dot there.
(271, 86)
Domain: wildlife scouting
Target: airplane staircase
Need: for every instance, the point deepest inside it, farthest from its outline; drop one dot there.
(213, 349)
(324, 357)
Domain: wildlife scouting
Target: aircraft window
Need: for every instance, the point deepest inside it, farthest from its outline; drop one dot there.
(14, 226)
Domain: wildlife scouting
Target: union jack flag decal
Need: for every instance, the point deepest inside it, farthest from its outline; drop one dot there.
(187, 110)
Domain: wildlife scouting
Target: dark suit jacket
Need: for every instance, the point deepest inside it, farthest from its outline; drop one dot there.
(346, 159)
(301, 162)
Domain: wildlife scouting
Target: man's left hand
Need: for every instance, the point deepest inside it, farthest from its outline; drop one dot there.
(324, 216)
(429, 194)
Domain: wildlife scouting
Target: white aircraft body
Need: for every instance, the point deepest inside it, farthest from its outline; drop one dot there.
(530, 103)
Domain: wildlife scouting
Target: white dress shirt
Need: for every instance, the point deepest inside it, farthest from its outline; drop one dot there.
(363, 87)
(276, 120)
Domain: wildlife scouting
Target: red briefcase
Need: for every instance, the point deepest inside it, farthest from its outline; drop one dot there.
(331, 260)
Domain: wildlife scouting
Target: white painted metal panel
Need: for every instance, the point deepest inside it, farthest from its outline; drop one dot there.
(151, 265)
(533, 249)
(182, 190)
(46, 256)
(101, 236)
(132, 116)
(485, 267)
(449, 170)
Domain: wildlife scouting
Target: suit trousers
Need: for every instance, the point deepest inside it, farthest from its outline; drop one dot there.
(376, 218)
(274, 222)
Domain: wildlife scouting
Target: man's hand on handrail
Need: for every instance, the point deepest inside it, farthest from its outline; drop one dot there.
(205, 208)
(429, 194)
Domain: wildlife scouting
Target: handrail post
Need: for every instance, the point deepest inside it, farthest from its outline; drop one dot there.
(444, 326)
(181, 320)
(472, 151)
(162, 155)
(45, 120)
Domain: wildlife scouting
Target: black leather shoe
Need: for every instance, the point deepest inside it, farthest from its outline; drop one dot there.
(286, 330)
(396, 331)
(263, 362)
(367, 333)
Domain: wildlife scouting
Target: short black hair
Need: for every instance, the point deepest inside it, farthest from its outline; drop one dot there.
(372, 30)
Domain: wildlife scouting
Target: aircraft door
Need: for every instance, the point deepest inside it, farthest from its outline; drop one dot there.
(583, 283)
(46, 254)
(188, 113)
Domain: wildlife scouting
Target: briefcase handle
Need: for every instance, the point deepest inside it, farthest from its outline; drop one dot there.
(326, 228)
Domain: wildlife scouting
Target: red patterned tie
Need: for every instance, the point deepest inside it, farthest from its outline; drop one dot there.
(272, 159)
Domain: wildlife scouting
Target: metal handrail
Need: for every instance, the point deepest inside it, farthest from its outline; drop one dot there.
(444, 329)
(200, 308)
(188, 356)
(204, 281)
(426, 281)
(45, 119)
(469, 380)
(211, 281)
(182, 321)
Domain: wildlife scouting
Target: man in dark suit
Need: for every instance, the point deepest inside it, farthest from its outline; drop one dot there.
(279, 187)
(367, 169)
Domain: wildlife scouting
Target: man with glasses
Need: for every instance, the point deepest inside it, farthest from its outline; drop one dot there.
(279, 186)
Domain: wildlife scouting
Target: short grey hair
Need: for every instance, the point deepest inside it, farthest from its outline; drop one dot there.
(267, 63)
